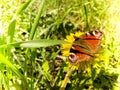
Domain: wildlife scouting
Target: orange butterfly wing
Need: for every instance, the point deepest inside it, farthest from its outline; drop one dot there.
(85, 47)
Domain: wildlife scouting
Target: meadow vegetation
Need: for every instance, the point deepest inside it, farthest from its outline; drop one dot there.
(31, 34)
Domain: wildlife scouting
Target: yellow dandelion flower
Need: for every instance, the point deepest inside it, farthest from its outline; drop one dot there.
(69, 38)
(66, 47)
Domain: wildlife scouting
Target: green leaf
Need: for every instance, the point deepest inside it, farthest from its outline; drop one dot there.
(37, 18)
(35, 43)
(23, 7)
(11, 28)
(42, 43)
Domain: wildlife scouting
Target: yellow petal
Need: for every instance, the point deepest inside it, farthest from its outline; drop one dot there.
(78, 34)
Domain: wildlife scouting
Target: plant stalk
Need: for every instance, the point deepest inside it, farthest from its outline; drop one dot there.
(67, 76)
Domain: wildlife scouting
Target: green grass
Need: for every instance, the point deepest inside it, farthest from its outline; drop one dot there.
(30, 36)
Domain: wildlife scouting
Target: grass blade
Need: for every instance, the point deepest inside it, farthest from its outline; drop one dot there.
(5, 61)
(23, 7)
(36, 20)
(41, 43)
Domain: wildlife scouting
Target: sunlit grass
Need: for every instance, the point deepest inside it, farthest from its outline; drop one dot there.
(112, 40)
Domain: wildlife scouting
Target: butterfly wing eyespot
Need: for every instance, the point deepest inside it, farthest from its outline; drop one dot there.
(72, 57)
(85, 46)
(97, 34)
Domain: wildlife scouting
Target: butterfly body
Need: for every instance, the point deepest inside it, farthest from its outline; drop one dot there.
(84, 47)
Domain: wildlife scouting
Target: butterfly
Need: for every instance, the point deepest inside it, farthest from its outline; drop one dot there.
(84, 47)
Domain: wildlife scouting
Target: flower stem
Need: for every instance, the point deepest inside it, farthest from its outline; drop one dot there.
(67, 76)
